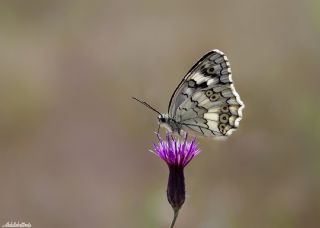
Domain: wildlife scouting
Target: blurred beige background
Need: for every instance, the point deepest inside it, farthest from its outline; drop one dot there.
(74, 146)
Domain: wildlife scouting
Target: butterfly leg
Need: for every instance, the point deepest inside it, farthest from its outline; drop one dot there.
(158, 129)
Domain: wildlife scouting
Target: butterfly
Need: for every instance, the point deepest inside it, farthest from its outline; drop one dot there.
(205, 102)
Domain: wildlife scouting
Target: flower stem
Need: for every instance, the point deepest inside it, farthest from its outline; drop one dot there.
(175, 216)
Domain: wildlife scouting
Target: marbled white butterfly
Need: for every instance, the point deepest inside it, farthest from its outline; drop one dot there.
(205, 102)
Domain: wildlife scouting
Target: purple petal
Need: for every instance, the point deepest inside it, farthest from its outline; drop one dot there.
(175, 151)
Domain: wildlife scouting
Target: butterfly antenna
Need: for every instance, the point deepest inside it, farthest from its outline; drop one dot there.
(147, 105)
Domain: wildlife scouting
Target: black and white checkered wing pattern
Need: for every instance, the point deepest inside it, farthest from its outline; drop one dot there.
(206, 102)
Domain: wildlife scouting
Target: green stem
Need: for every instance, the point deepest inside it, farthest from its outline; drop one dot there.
(175, 216)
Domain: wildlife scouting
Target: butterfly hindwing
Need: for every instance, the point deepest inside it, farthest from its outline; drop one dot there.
(206, 102)
(209, 113)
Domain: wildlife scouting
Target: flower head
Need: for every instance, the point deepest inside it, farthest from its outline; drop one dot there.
(176, 152)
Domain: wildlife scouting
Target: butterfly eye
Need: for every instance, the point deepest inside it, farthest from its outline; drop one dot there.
(214, 97)
(209, 93)
(225, 109)
(224, 118)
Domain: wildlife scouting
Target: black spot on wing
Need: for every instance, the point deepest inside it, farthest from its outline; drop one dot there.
(203, 85)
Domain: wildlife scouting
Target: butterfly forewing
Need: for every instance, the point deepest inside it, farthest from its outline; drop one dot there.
(205, 102)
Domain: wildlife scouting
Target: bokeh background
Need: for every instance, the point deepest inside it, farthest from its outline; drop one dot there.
(74, 145)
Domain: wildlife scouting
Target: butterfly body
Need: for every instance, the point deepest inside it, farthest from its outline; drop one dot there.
(169, 123)
(205, 102)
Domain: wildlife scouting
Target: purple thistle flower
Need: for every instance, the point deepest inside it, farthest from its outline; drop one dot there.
(177, 154)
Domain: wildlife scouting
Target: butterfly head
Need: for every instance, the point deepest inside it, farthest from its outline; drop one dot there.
(163, 118)
(164, 121)
(169, 123)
